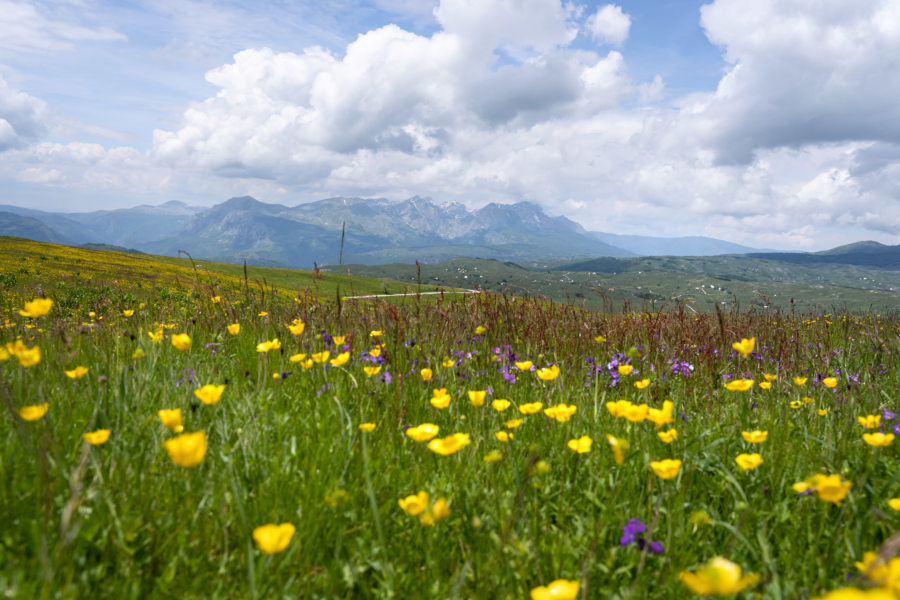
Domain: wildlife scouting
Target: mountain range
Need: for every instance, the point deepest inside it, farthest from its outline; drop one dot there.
(376, 231)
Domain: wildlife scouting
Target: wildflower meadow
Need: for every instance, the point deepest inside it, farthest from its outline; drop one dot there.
(229, 443)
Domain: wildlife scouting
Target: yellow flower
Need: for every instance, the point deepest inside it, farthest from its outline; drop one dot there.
(662, 416)
(95, 438)
(830, 488)
(618, 447)
(878, 439)
(829, 382)
(807, 400)
(581, 445)
(296, 327)
(415, 504)
(512, 423)
(371, 371)
(524, 365)
(375, 352)
(765, 385)
(182, 341)
(477, 397)
(641, 384)
(448, 362)
(668, 436)
(894, 503)
(340, 360)
(33, 412)
(367, 427)
(272, 539)
(440, 398)
(500, 404)
(822, 412)
(739, 385)
(770, 377)
(37, 308)
(234, 328)
(128, 313)
(262, 313)
(439, 510)
(719, 576)
(321, 357)
(548, 373)
(171, 418)
(188, 449)
(531, 408)
(307, 364)
(27, 357)
(339, 340)
(480, 329)
(636, 412)
(268, 345)
(155, 336)
(796, 404)
(599, 339)
(748, 462)
(561, 589)
(215, 299)
(800, 380)
(295, 358)
(755, 437)
(493, 456)
(423, 432)
(450, 444)
(210, 394)
(561, 412)
(618, 408)
(503, 436)
(625, 369)
(376, 333)
(426, 374)
(666, 469)
(745, 346)
(869, 421)
(77, 373)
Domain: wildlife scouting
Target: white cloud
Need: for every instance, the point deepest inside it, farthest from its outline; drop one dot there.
(22, 117)
(40, 26)
(609, 25)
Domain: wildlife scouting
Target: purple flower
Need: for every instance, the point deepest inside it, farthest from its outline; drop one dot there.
(888, 415)
(386, 378)
(630, 531)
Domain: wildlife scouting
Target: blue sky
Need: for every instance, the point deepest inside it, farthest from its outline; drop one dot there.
(774, 124)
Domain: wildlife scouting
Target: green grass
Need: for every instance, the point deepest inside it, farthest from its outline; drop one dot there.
(122, 520)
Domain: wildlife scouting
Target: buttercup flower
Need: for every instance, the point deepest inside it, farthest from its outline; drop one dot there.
(869, 421)
(625, 369)
(770, 377)
(894, 503)
(340, 360)
(739, 385)
(450, 444)
(500, 404)
(796, 404)
(618, 408)
(439, 510)
(878, 439)
(581, 445)
(268, 345)
(548, 373)
(210, 394)
(376, 333)
(27, 357)
(296, 327)
(272, 539)
(215, 299)
(414, 505)
(423, 432)
(755, 437)
(666, 469)
(171, 418)
(719, 577)
(830, 488)
(745, 346)
(234, 328)
(643, 383)
(618, 447)
(524, 365)
(449, 362)
(95, 438)
(188, 449)
(829, 382)
(339, 340)
(748, 462)
(636, 412)
(668, 436)
(37, 308)
(372, 371)
(800, 380)
(321, 357)
(440, 398)
(476, 397)
(182, 341)
(77, 373)
(662, 416)
(512, 423)
(33, 412)
(480, 329)
(765, 385)
(493, 456)
(426, 374)
(367, 427)
(561, 412)
(503, 436)
(530, 408)
(560, 589)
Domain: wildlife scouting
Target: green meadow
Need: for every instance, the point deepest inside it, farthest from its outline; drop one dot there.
(458, 446)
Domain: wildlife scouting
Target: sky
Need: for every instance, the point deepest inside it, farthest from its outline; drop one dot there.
(772, 123)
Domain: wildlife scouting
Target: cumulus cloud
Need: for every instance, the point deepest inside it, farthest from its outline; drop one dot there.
(22, 117)
(609, 25)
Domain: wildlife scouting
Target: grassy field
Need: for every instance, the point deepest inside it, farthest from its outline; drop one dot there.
(303, 476)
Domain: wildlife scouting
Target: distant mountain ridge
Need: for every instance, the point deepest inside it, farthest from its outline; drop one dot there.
(378, 231)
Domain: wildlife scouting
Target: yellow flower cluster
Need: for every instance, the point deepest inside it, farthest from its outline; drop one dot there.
(830, 488)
